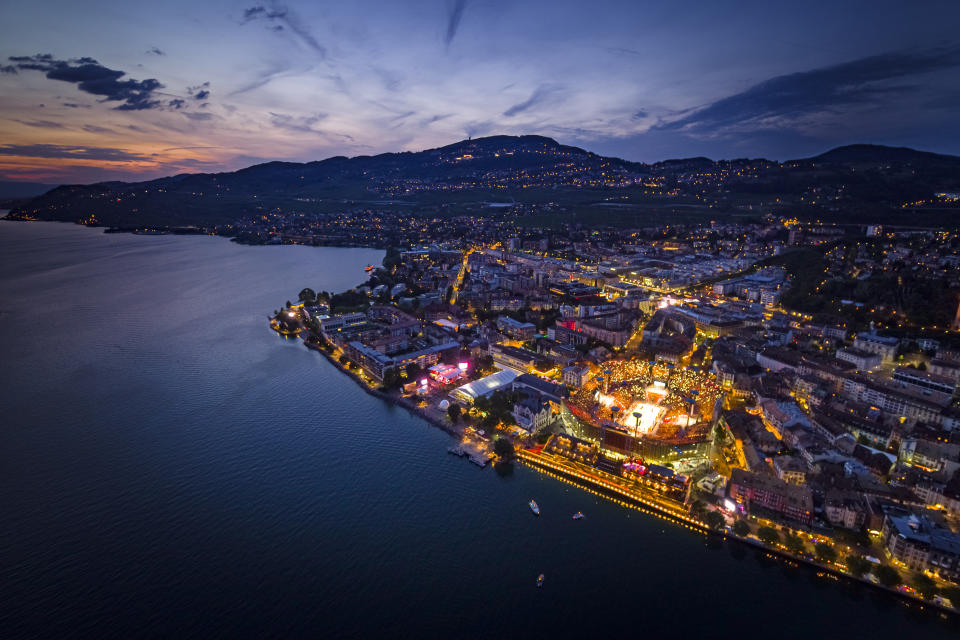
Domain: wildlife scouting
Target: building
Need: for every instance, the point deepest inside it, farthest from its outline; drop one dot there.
(532, 412)
(376, 364)
(847, 509)
(520, 360)
(339, 322)
(924, 381)
(883, 346)
(921, 545)
(759, 490)
(862, 360)
(576, 376)
(790, 469)
(894, 400)
(514, 329)
(530, 383)
(483, 387)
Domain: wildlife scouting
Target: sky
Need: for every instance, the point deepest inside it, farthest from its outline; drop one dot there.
(93, 90)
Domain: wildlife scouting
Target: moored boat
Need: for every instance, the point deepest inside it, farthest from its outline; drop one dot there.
(534, 507)
(539, 580)
(577, 515)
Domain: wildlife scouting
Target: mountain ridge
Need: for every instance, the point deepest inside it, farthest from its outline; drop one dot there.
(528, 169)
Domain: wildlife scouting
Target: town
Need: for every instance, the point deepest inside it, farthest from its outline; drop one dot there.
(791, 384)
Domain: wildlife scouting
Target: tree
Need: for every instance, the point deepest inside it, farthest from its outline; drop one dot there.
(307, 296)
(741, 528)
(888, 576)
(698, 509)
(825, 552)
(453, 412)
(768, 535)
(858, 565)
(413, 371)
(503, 448)
(924, 585)
(390, 379)
(392, 259)
(794, 543)
(714, 520)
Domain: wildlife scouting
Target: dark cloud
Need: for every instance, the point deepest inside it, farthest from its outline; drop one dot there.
(74, 105)
(640, 114)
(200, 92)
(92, 77)
(41, 124)
(177, 103)
(455, 11)
(540, 94)
(108, 154)
(153, 51)
(92, 128)
(865, 81)
(199, 116)
(282, 16)
(9, 68)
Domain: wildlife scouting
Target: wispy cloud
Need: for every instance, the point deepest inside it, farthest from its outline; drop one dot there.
(275, 71)
(455, 11)
(302, 124)
(108, 154)
(154, 51)
(283, 17)
(42, 124)
(539, 95)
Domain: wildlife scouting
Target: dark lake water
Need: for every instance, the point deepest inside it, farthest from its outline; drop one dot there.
(171, 468)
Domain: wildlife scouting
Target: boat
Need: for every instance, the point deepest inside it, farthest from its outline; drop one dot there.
(534, 507)
(369, 268)
(539, 580)
(577, 515)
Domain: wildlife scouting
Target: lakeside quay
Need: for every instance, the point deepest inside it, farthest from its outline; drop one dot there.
(568, 471)
(398, 400)
(565, 471)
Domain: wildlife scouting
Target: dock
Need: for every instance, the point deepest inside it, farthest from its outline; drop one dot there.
(478, 456)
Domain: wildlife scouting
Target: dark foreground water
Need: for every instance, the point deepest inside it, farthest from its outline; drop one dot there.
(171, 468)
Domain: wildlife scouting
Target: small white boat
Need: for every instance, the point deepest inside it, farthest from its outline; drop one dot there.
(534, 507)
(578, 515)
(539, 580)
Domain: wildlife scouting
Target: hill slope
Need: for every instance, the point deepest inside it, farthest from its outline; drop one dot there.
(531, 171)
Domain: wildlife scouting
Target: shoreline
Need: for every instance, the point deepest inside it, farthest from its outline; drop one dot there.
(185, 231)
(626, 499)
(399, 401)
